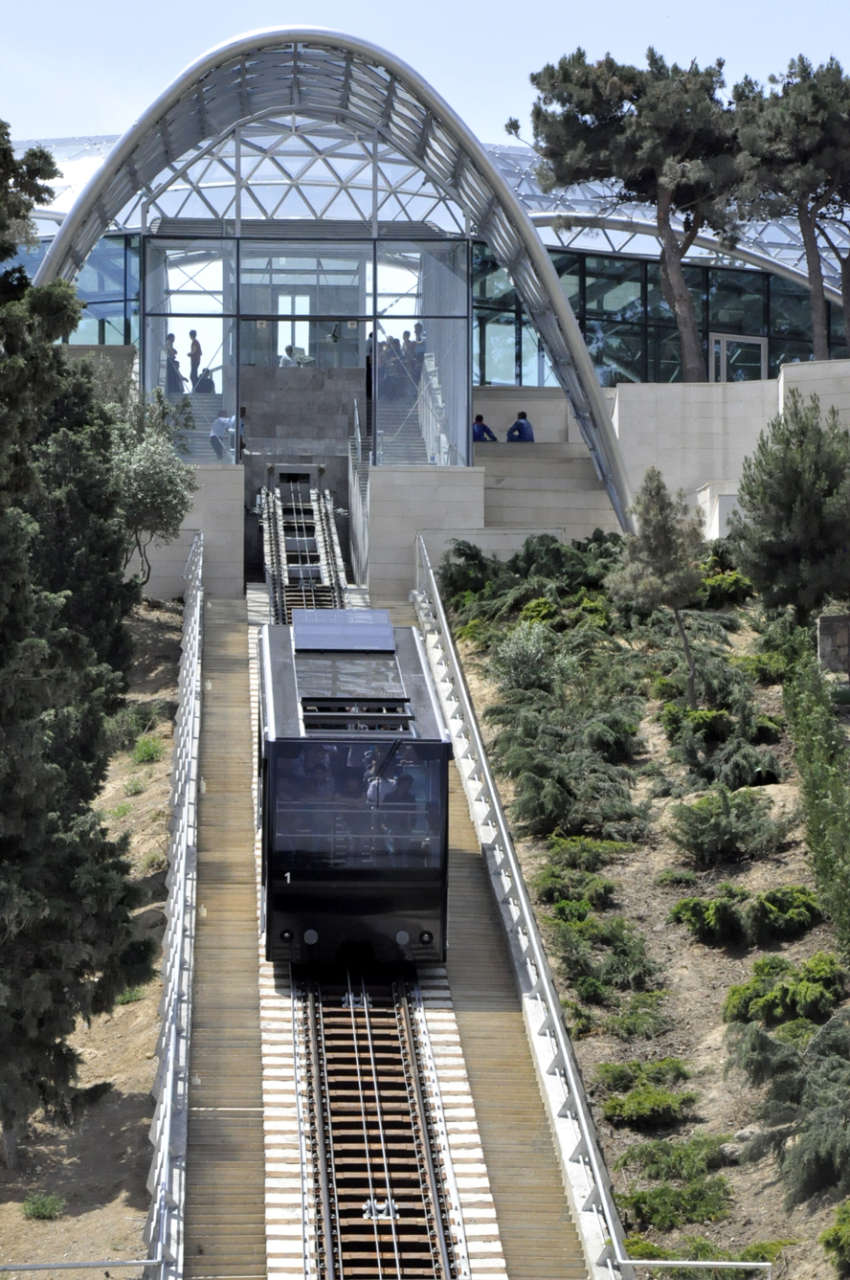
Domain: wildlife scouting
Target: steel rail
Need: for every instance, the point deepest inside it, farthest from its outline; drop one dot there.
(414, 1085)
(321, 1139)
(607, 1248)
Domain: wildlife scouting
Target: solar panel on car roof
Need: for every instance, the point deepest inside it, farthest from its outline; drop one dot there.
(364, 630)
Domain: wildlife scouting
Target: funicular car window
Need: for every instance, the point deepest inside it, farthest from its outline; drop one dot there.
(357, 806)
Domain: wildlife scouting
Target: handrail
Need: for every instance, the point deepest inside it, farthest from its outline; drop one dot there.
(572, 1122)
(166, 1181)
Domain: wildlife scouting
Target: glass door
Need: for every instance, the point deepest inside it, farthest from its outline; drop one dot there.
(733, 358)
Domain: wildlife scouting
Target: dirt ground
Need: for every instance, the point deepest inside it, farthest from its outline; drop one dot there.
(696, 979)
(99, 1165)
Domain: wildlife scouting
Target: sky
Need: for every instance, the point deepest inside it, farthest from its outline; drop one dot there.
(72, 68)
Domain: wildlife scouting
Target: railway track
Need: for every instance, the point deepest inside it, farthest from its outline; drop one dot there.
(384, 1202)
(303, 561)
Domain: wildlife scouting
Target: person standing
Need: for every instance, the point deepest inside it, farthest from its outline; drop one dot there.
(522, 431)
(195, 354)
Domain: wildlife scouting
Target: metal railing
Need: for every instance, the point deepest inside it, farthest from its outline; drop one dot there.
(584, 1171)
(358, 502)
(166, 1180)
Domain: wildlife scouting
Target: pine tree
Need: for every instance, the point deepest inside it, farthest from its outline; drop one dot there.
(64, 897)
(791, 528)
(661, 561)
(665, 135)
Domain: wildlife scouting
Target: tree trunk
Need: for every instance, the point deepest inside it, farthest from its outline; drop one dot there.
(677, 295)
(805, 217)
(689, 658)
(9, 1143)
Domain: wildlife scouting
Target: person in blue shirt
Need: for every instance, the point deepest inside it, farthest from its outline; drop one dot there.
(522, 431)
(480, 430)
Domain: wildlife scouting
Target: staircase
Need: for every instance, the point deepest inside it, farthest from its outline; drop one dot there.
(400, 440)
(544, 486)
(196, 445)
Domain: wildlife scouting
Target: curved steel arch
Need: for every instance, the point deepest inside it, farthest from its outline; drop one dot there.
(324, 74)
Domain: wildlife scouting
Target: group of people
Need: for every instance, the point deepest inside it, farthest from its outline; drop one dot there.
(399, 362)
(175, 382)
(227, 435)
(521, 432)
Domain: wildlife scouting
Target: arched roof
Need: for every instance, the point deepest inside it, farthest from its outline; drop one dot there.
(325, 75)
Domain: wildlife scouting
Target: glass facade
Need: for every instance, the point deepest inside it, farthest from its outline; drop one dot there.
(400, 312)
(250, 321)
(629, 328)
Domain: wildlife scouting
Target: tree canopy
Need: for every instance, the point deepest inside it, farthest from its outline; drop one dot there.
(64, 896)
(795, 144)
(664, 134)
(791, 528)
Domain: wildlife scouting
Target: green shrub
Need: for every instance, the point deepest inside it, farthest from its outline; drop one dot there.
(616, 1077)
(711, 726)
(681, 1160)
(643, 1017)
(553, 884)
(836, 1240)
(724, 588)
(134, 786)
(133, 719)
(540, 609)
(798, 1032)
(475, 632)
(648, 1106)
(593, 990)
(148, 750)
(585, 853)
(665, 1207)
(676, 877)
(778, 992)
(735, 915)
(768, 667)
(578, 1020)
(130, 995)
(726, 827)
(823, 760)
(668, 688)
(43, 1205)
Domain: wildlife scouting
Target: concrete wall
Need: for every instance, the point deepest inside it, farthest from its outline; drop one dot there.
(548, 411)
(827, 379)
(218, 509)
(405, 500)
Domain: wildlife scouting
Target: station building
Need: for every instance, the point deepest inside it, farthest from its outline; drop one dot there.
(300, 226)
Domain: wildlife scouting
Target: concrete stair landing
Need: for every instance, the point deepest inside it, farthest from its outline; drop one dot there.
(549, 485)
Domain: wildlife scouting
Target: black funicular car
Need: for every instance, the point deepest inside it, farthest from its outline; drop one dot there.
(353, 791)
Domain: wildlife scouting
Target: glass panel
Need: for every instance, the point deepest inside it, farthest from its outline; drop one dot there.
(428, 278)
(212, 400)
(101, 323)
(28, 256)
(422, 406)
(616, 351)
(532, 357)
(496, 340)
(568, 267)
(613, 287)
(342, 808)
(133, 260)
(298, 379)
(190, 277)
(837, 343)
(656, 306)
(790, 309)
(491, 282)
(312, 278)
(743, 361)
(786, 351)
(665, 361)
(102, 275)
(736, 301)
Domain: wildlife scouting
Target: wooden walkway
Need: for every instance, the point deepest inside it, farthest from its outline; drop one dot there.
(225, 1209)
(538, 1237)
